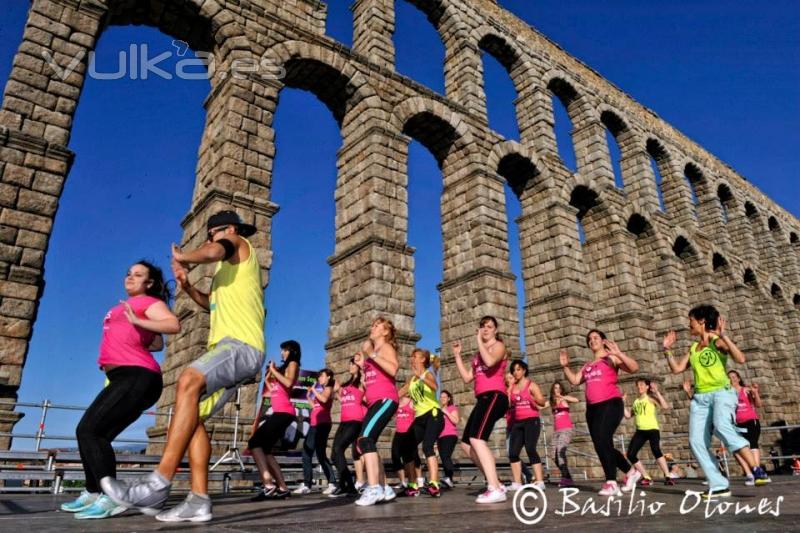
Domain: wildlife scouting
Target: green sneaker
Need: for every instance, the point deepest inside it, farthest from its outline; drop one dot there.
(103, 507)
(84, 501)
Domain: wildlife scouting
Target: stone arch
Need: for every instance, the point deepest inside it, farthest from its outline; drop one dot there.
(726, 200)
(663, 163)
(563, 87)
(719, 263)
(776, 291)
(697, 181)
(328, 75)
(626, 141)
(520, 167)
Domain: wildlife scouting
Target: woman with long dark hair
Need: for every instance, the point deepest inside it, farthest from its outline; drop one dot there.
(525, 398)
(131, 331)
(351, 400)
(448, 438)
(747, 418)
(604, 405)
(713, 402)
(320, 396)
(562, 429)
(280, 380)
(487, 372)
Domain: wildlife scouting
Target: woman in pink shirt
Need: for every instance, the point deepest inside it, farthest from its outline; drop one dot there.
(448, 438)
(280, 381)
(131, 330)
(747, 418)
(562, 429)
(487, 372)
(320, 396)
(525, 398)
(351, 400)
(380, 368)
(604, 405)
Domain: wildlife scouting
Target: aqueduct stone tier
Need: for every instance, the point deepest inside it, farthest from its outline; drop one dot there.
(649, 251)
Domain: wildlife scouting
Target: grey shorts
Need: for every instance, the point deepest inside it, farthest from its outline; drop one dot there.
(228, 364)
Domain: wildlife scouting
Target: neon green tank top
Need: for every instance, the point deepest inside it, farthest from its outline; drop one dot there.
(423, 396)
(237, 302)
(708, 365)
(644, 411)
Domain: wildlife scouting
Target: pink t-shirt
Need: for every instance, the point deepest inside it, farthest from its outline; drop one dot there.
(601, 380)
(488, 379)
(351, 399)
(321, 412)
(405, 418)
(125, 344)
(522, 405)
(280, 398)
(561, 418)
(449, 429)
(745, 410)
(378, 383)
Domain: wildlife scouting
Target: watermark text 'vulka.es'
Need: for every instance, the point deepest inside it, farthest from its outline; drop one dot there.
(136, 63)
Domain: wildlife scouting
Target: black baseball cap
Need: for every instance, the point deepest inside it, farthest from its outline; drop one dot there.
(230, 218)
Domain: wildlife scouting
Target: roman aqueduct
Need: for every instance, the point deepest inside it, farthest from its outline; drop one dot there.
(648, 251)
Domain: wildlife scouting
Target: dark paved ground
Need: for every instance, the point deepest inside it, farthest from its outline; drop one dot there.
(455, 511)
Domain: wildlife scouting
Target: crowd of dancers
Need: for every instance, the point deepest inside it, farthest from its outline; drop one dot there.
(369, 399)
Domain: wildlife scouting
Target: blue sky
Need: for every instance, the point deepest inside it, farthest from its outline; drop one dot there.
(724, 73)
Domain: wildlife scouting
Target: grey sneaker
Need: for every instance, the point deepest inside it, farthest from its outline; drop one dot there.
(147, 493)
(194, 508)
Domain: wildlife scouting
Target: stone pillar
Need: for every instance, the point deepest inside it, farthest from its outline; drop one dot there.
(640, 181)
(372, 265)
(741, 237)
(373, 28)
(35, 121)
(536, 120)
(463, 72)
(677, 196)
(592, 155)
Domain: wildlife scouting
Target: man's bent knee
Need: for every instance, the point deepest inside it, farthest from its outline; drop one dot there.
(191, 381)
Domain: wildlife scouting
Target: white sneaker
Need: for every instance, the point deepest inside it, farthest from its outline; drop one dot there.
(492, 496)
(750, 481)
(447, 482)
(610, 488)
(631, 479)
(329, 489)
(370, 496)
(388, 493)
(515, 487)
(302, 489)
(673, 475)
(539, 485)
(359, 486)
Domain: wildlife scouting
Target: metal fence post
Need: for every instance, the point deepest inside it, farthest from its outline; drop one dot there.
(40, 431)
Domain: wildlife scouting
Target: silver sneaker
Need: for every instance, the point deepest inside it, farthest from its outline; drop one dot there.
(192, 509)
(147, 493)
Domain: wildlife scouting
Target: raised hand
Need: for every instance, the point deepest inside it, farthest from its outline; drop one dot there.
(721, 323)
(669, 339)
(611, 346)
(754, 386)
(180, 273)
(129, 314)
(457, 348)
(654, 386)
(272, 368)
(563, 358)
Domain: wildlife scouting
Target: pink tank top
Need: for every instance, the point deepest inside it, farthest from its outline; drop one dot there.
(561, 418)
(601, 380)
(321, 412)
(449, 429)
(280, 398)
(745, 410)
(522, 404)
(405, 418)
(378, 383)
(351, 399)
(488, 379)
(125, 344)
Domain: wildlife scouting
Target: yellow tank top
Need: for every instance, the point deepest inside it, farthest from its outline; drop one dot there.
(644, 409)
(237, 302)
(423, 396)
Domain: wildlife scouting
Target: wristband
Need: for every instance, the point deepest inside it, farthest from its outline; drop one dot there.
(668, 353)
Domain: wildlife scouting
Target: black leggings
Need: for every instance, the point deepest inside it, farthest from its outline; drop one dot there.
(131, 390)
(446, 446)
(404, 450)
(315, 443)
(345, 436)
(603, 420)
(639, 438)
(525, 433)
(426, 430)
